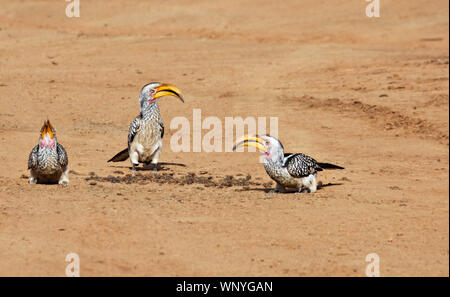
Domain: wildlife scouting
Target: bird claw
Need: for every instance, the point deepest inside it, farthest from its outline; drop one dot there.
(301, 190)
(155, 170)
(270, 192)
(134, 169)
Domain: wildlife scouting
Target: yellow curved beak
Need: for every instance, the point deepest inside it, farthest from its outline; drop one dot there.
(47, 128)
(168, 90)
(253, 141)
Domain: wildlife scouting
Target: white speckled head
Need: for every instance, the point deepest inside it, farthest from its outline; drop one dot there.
(274, 148)
(147, 93)
(268, 145)
(151, 93)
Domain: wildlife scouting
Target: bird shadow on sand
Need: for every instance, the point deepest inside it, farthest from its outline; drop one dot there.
(51, 183)
(160, 166)
(272, 190)
(247, 189)
(328, 185)
(163, 166)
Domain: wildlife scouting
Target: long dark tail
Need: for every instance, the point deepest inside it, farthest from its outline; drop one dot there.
(329, 166)
(122, 156)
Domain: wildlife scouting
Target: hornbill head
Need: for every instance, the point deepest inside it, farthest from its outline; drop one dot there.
(271, 147)
(151, 92)
(48, 135)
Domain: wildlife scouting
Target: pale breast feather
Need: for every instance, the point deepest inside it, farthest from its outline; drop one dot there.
(300, 165)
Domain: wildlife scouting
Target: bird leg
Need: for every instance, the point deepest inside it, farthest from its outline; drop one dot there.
(280, 189)
(33, 179)
(153, 166)
(134, 157)
(64, 179)
(302, 190)
(155, 160)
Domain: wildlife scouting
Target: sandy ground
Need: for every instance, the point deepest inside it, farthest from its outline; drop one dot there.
(371, 95)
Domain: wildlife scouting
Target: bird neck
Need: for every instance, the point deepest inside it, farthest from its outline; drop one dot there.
(47, 148)
(149, 108)
(47, 142)
(274, 158)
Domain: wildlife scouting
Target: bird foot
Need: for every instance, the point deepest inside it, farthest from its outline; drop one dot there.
(280, 189)
(270, 192)
(155, 169)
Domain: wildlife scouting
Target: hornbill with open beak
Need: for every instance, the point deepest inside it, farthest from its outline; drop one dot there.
(289, 171)
(147, 129)
(48, 160)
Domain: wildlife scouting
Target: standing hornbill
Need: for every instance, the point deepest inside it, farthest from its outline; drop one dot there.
(147, 129)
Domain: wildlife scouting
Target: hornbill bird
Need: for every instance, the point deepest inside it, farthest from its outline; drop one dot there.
(48, 160)
(289, 171)
(147, 129)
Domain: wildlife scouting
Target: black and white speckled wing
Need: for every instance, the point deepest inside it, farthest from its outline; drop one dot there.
(134, 127)
(33, 159)
(300, 165)
(63, 159)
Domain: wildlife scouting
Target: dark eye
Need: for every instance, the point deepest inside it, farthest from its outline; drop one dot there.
(267, 143)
